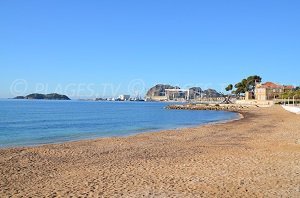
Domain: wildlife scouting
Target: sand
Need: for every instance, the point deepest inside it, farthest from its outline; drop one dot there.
(258, 156)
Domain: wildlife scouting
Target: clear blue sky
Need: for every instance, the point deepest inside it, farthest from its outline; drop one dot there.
(61, 46)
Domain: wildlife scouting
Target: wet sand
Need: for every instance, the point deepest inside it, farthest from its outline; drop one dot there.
(257, 156)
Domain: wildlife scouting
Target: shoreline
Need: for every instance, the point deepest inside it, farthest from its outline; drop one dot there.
(256, 156)
(240, 116)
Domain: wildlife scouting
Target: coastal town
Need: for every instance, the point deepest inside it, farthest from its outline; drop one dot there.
(251, 91)
(150, 99)
(254, 93)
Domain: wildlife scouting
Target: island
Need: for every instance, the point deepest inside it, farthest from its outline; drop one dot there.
(37, 96)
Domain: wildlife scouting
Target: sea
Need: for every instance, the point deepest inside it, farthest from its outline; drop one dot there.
(38, 122)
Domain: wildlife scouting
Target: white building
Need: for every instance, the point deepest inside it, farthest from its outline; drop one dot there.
(177, 94)
(124, 97)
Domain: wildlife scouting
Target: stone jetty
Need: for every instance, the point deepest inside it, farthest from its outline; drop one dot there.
(215, 107)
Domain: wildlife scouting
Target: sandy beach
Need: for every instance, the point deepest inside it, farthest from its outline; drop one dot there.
(257, 156)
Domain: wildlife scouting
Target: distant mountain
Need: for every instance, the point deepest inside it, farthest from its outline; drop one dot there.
(208, 93)
(195, 92)
(211, 93)
(159, 90)
(19, 97)
(37, 96)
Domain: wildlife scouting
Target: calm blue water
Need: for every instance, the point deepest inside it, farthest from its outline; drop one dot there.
(27, 122)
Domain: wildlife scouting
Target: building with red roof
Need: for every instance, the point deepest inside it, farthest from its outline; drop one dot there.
(270, 90)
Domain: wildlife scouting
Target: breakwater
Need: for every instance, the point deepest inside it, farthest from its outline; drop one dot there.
(215, 107)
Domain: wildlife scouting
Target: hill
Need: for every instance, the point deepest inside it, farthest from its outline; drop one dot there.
(159, 90)
(37, 96)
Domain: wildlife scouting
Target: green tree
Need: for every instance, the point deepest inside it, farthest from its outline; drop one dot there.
(229, 87)
(241, 87)
(291, 94)
(247, 84)
(251, 82)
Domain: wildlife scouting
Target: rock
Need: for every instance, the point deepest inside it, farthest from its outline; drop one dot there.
(37, 96)
(20, 97)
(211, 93)
(195, 92)
(159, 90)
(205, 107)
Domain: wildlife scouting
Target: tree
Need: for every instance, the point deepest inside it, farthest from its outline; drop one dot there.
(290, 94)
(247, 84)
(227, 97)
(241, 87)
(251, 82)
(229, 87)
